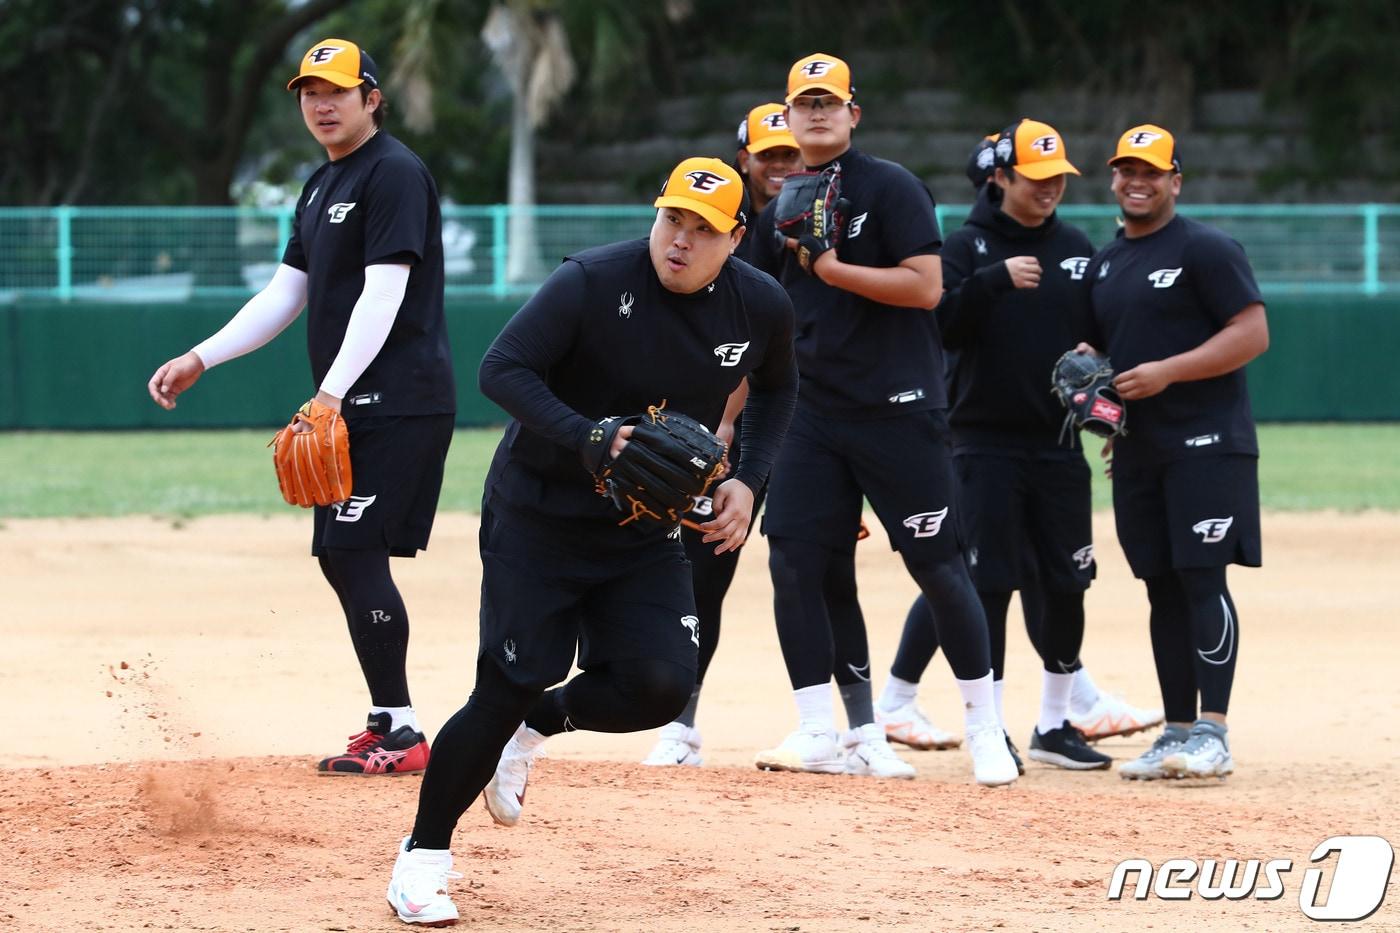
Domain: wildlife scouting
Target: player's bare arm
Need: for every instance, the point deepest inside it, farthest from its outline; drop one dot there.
(917, 282)
(1244, 337)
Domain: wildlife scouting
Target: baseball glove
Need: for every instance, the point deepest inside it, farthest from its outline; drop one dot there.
(668, 462)
(1083, 382)
(313, 467)
(811, 210)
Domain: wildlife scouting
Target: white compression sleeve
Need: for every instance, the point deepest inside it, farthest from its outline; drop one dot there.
(264, 316)
(370, 323)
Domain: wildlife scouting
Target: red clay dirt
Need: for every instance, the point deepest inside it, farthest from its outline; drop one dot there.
(171, 683)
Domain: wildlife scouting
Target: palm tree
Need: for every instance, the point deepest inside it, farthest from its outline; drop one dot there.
(538, 46)
(528, 43)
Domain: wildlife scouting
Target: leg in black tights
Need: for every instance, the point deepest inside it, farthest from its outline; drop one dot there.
(1173, 646)
(377, 619)
(465, 753)
(624, 696)
(1215, 635)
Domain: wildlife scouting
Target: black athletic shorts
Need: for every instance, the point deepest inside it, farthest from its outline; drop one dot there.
(902, 464)
(1199, 512)
(1026, 510)
(396, 462)
(545, 596)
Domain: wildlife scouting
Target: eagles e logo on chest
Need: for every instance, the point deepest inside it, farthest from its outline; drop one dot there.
(730, 353)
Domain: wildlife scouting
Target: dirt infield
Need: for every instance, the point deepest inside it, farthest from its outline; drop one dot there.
(170, 683)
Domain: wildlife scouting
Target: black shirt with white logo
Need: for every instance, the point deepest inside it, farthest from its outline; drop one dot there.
(857, 357)
(377, 205)
(1159, 295)
(1007, 339)
(604, 337)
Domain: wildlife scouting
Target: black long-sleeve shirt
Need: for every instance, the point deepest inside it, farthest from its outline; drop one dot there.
(604, 337)
(1006, 339)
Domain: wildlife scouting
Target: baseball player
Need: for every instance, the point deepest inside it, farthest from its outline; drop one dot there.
(612, 331)
(1011, 272)
(1175, 304)
(766, 154)
(365, 259)
(870, 424)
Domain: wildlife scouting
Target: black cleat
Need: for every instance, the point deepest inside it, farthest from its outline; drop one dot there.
(1065, 748)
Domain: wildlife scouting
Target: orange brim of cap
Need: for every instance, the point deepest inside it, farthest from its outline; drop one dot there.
(1039, 171)
(1147, 157)
(717, 218)
(818, 86)
(338, 78)
(770, 142)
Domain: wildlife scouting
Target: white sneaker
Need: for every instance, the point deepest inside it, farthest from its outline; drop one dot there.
(678, 744)
(868, 753)
(1148, 765)
(1112, 715)
(908, 725)
(992, 763)
(505, 795)
(811, 748)
(1205, 753)
(418, 887)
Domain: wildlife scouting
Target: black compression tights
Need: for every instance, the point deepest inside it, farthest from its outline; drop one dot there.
(1195, 640)
(1054, 624)
(375, 614)
(625, 697)
(820, 626)
(711, 574)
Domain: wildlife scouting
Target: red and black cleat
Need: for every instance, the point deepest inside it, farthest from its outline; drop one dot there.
(379, 751)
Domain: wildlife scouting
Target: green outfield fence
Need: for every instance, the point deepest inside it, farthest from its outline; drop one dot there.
(92, 299)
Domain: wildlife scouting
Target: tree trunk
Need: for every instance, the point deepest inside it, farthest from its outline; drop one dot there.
(523, 262)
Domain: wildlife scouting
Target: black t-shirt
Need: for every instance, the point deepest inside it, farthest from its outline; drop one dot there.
(857, 357)
(604, 337)
(378, 205)
(1159, 295)
(1007, 339)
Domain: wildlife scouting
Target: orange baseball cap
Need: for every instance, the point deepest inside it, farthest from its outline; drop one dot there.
(766, 127)
(339, 61)
(710, 188)
(1035, 149)
(820, 72)
(1151, 144)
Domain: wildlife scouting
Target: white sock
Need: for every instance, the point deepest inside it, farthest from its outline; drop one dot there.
(898, 693)
(1054, 700)
(979, 701)
(400, 716)
(814, 707)
(999, 688)
(1085, 693)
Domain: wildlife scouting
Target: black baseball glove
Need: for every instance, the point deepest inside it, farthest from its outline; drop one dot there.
(1083, 382)
(811, 210)
(669, 460)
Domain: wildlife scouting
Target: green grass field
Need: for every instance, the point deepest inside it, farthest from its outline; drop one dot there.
(185, 473)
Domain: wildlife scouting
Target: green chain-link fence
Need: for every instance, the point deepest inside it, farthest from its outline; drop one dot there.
(175, 254)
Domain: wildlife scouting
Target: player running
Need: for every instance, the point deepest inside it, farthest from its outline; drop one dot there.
(1175, 305)
(365, 259)
(612, 331)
